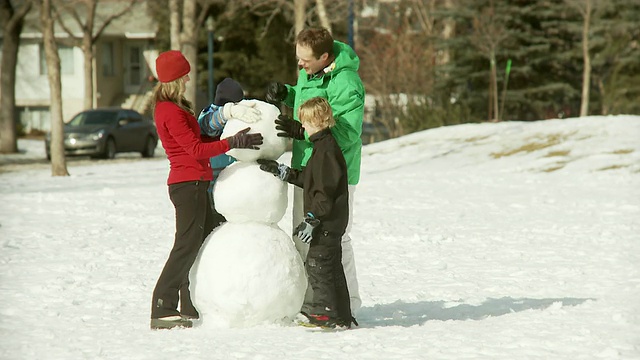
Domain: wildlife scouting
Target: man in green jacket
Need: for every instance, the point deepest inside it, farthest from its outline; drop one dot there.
(329, 69)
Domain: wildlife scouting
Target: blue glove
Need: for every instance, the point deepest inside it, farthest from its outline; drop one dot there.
(304, 231)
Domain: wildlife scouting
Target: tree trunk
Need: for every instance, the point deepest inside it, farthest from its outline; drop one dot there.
(604, 107)
(174, 24)
(88, 39)
(12, 27)
(322, 15)
(87, 52)
(449, 26)
(494, 87)
(586, 72)
(189, 47)
(58, 161)
(299, 14)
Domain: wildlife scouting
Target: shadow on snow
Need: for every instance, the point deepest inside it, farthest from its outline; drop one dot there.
(400, 313)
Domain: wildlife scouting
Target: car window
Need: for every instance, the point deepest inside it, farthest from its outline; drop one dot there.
(94, 118)
(133, 116)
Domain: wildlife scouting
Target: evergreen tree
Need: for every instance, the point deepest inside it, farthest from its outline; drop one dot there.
(616, 59)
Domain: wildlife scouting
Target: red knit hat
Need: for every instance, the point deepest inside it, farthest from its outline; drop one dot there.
(171, 65)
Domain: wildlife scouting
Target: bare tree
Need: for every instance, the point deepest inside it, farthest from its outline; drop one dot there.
(174, 24)
(299, 12)
(448, 32)
(322, 15)
(58, 161)
(89, 35)
(586, 9)
(487, 36)
(393, 76)
(12, 20)
(184, 31)
(188, 46)
(295, 11)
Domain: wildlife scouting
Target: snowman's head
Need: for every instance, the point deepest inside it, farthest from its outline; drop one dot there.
(272, 146)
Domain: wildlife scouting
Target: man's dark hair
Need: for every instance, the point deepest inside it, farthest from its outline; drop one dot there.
(318, 39)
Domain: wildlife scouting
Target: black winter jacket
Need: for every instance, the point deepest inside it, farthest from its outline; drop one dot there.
(324, 180)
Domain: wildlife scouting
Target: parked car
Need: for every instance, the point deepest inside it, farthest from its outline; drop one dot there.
(101, 133)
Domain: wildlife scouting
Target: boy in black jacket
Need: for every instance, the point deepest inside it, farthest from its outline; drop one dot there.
(326, 205)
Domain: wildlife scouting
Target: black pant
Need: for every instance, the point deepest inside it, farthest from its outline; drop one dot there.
(194, 222)
(326, 277)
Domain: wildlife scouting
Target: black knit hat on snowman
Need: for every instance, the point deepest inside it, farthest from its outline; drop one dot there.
(228, 91)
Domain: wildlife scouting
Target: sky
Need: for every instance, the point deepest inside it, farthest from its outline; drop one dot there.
(513, 240)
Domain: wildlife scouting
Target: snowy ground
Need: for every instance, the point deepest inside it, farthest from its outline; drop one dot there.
(480, 241)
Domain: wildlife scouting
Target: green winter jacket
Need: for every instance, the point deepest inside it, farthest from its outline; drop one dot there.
(343, 89)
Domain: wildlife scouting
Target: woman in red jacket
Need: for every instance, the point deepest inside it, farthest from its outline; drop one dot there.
(189, 177)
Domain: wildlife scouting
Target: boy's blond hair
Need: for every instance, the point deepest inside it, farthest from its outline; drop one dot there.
(317, 112)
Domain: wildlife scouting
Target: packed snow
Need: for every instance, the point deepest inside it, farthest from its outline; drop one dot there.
(514, 240)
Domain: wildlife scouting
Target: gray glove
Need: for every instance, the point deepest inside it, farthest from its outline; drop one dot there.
(242, 140)
(304, 231)
(288, 127)
(271, 166)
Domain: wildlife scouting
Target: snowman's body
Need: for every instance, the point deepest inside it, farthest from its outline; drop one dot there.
(248, 271)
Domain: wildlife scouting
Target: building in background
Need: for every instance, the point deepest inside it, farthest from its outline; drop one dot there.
(124, 66)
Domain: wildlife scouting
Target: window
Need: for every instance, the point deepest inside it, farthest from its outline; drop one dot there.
(33, 118)
(107, 59)
(135, 65)
(66, 60)
(133, 116)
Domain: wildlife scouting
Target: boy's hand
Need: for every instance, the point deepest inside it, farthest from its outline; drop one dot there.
(305, 229)
(242, 140)
(271, 166)
(289, 128)
(243, 111)
(276, 93)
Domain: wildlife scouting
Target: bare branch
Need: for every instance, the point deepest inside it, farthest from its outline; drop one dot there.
(322, 15)
(62, 23)
(17, 16)
(72, 40)
(426, 21)
(111, 18)
(268, 23)
(204, 12)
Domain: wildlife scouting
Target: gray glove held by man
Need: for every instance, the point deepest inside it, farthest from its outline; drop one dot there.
(304, 231)
(271, 166)
(242, 140)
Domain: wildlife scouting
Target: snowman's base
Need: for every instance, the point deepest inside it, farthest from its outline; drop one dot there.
(247, 274)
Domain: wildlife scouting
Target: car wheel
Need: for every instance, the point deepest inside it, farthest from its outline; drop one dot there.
(110, 149)
(149, 148)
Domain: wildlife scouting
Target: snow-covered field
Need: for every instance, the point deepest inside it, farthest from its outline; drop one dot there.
(480, 241)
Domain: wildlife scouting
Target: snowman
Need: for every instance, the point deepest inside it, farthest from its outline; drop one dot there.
(248, 271)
